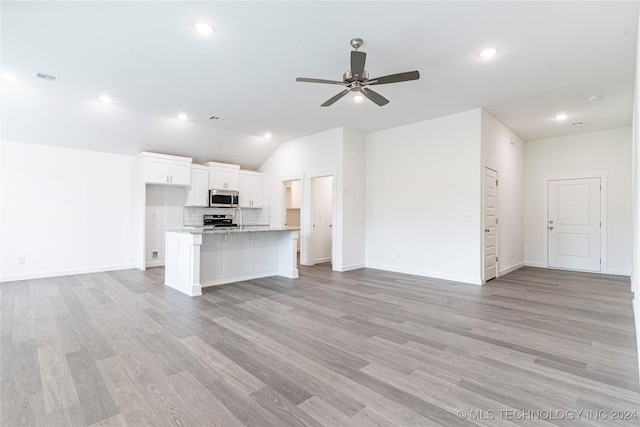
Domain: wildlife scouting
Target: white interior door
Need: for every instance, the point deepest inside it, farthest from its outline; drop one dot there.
(322, 193)
(573, 227)
(490, 183)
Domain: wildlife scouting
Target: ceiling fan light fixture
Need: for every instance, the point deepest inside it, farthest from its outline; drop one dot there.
(488, 52)
(358, 98)
(203, 27)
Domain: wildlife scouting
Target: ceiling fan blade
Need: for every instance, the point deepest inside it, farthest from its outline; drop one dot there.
(374, 96)
(333, 99)
(395, 78)
(357, 63)
(330, 82)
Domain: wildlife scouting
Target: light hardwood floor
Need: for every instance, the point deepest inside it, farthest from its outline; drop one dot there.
(363, 348)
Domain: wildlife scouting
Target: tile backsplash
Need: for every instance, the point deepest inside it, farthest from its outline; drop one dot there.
(192, 216)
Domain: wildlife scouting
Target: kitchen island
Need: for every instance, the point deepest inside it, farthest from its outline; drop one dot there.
(197, 257)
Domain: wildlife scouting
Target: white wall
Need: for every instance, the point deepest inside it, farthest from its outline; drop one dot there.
(503, 150)
(64, 211)
(606, 151)
(353, 206)
(164, 210)
(635, 268)
(320, 153)
(422, 179)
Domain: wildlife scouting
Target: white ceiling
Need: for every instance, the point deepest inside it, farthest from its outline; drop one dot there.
(553, 56)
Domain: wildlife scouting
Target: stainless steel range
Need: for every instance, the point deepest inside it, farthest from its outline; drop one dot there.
(218, 221)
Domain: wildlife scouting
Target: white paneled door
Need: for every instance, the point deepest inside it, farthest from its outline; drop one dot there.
(322, 195)
(490, 184)
(573, 224)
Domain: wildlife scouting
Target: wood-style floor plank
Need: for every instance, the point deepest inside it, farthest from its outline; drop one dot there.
(361, 348)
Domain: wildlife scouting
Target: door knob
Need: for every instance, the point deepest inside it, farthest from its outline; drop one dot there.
(486, 230)
(550, 222)
(550, 228)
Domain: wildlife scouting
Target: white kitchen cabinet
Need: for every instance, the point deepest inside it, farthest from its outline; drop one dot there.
(251, 189)
(165, 169)
(199, 191)
(223, 176)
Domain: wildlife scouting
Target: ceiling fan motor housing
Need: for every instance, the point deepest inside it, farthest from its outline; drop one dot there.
(347, 77)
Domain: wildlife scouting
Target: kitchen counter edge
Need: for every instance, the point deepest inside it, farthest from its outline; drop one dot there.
(247, 229)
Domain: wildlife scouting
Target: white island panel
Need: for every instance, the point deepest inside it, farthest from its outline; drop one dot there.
(197, 259)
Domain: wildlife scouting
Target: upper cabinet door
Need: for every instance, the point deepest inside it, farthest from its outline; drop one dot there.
(221, 178)
(180, 173)
(199, 191)
(156, 171)
(251, 188)
(216, 178)
(231, 178)
(166, 169)
(244, 197)
(257, 191)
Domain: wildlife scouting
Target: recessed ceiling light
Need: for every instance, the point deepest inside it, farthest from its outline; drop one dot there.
(358, 98)
(267, 135)
(105, 98)
(10, 77)
(203, 27)
(488, 52)
(182, 116)
(561, 116)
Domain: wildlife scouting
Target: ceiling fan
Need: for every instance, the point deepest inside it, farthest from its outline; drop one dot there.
(357, 78)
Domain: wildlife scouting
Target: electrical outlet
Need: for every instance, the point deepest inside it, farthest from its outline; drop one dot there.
(21, 260)
(154, 254)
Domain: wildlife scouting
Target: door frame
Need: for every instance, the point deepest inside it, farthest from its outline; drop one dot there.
(493, 167)
(313, 257)
(283, 180)
(603, 175)
(306, 246)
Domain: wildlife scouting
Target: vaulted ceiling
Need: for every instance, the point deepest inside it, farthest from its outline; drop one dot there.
(552, 57)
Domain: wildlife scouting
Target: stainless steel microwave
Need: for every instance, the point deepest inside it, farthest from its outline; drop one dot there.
(223, 199)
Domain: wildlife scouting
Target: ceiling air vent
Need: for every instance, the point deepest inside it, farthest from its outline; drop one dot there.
(46, 77)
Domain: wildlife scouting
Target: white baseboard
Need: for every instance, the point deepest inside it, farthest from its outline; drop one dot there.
(322, 260)
(617, 272)
(424, 273)
(191, 290)
(70, 272)
(150, 264)
(204, 282)
(507, 270)
(611, 271)
(349, 267)
(536, 264)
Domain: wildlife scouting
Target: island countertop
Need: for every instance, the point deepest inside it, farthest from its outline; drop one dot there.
(224, 230)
